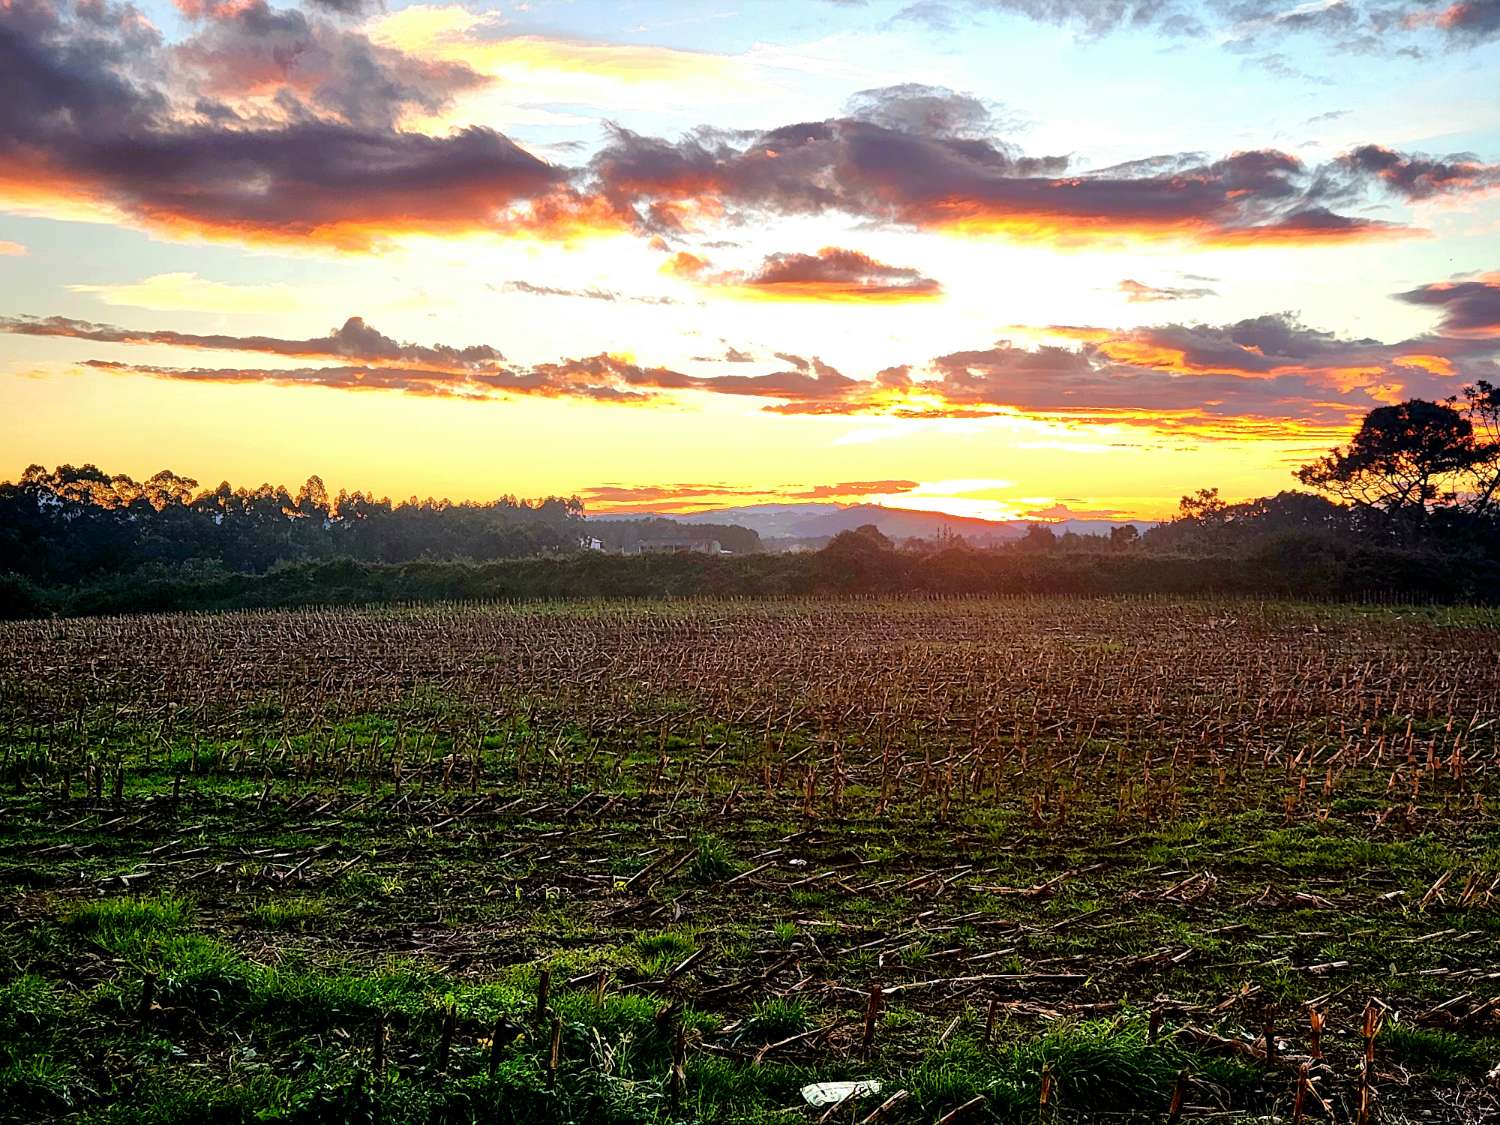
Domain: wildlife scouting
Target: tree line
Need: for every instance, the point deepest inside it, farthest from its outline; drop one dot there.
(78, 524)
(1408, 508)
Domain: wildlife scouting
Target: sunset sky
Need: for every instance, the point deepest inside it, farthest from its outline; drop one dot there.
(995, 257)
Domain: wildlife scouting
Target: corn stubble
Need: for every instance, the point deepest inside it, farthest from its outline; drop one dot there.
(1030, 859)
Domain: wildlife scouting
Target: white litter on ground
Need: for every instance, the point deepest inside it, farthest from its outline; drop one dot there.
(828, 1093)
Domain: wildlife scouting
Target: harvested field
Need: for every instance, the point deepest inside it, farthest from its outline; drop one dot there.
(1019, 860)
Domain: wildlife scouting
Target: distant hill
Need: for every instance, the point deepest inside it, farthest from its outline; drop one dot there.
(824, 521)
(811, 524)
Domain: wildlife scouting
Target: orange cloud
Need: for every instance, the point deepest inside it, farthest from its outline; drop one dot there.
(570, 382)
(689, 267)
(1472, 20)
(832, 274)
(1329, 230)
(1433, 364)
(1146, 353)
(1062, 331)
(30, 186)
(687, 498)
(564, 216)
(1262, 377)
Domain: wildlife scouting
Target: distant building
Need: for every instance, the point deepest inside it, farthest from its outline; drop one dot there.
(592, 543)
(677, 545)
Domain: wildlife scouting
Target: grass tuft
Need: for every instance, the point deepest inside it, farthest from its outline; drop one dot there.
(289, 913)
(1428, 1049)
(777, 1018)
(122, 925)
(713, 863)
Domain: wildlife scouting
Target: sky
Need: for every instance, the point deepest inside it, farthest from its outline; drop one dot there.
(1002, 258)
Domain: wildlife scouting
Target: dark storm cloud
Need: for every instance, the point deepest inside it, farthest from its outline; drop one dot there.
(91, 110)
(278, 125)
(1471, 19)
(914, 156)
(1470, 307)
(1415, 176)
(315, 68)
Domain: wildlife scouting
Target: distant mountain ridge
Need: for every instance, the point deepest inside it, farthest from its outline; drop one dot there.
(823, 521)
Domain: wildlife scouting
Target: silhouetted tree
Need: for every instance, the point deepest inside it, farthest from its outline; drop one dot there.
(862, 559)
(1038, 537)
(1203, 506)
(1404, 460)
(1482, 408)
(1208, 524)
(873, 534)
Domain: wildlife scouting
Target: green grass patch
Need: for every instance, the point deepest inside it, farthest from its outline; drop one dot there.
(289, 913)
(1439, 1052)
